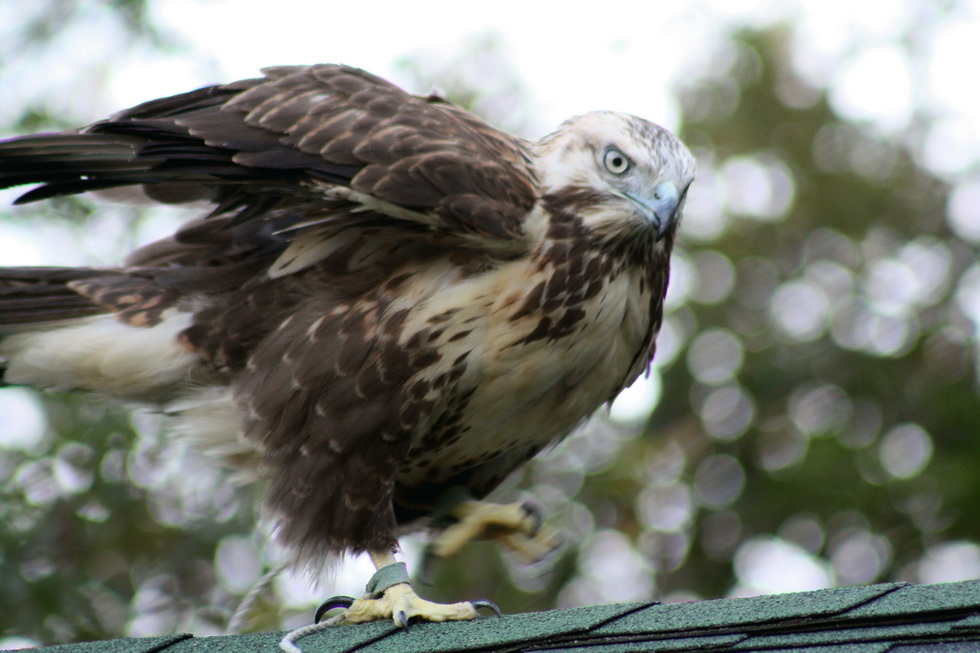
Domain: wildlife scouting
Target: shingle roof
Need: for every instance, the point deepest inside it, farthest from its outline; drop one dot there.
(888, 617)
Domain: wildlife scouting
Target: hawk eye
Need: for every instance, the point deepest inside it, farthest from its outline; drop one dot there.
(615, 161)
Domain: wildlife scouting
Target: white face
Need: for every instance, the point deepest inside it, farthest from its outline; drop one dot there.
(637, 170)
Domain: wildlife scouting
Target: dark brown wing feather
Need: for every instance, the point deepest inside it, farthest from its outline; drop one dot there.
(259, 147)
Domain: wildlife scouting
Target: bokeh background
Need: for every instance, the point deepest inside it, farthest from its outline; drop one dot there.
(812, 416)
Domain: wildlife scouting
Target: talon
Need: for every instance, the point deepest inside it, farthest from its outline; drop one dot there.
(483, 604)
(332, 603)
(401, 619)
(533, 512)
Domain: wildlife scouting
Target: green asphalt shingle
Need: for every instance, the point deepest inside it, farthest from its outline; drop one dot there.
(897, 618)
(124, 645)
(730, 613)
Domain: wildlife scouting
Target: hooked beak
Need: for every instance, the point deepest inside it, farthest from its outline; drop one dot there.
(661, 210)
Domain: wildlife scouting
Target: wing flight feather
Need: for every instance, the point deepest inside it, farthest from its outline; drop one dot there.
(273, 147)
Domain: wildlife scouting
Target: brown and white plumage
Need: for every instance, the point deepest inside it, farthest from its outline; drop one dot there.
(389, 300)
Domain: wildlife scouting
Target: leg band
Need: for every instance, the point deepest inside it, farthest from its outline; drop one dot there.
(385, 577)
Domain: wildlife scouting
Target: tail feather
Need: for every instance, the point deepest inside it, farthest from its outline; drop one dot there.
(146, 146)
(33, 295)
(68, 163)
(71, 163)
(73, 328)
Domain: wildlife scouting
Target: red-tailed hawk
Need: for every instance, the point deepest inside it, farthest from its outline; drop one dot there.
(391, 306)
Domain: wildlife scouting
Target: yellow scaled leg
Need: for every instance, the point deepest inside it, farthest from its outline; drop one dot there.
(517, 526)
(399, 602)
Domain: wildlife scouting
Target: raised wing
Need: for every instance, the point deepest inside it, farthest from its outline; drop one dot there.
(306, 146)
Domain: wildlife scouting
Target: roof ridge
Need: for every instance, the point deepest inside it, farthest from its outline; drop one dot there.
(860, 618)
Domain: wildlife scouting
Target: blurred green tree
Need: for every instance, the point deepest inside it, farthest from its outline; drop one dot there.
(815, 396)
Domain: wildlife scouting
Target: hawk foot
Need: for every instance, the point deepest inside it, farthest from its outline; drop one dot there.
(400, 603)
(517, 526)
(391, 596)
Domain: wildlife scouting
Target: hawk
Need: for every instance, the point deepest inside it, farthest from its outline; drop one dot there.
(390, 306)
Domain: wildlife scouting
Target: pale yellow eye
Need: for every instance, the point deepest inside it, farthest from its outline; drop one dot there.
(615, 161)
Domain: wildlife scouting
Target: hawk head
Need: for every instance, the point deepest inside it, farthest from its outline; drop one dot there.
(619, 172)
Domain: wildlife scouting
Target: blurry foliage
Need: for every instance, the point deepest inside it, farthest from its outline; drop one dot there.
(482, 77)
(44, 26)
(48, 17)
(818, 403)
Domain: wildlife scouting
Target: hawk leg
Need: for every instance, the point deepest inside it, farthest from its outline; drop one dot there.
(517, 526)
(391, 596)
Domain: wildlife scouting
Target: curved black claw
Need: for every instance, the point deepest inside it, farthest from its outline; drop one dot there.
(534, 512)
(423, 574)
(483, 604)
(332, 603)
(401, 619)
